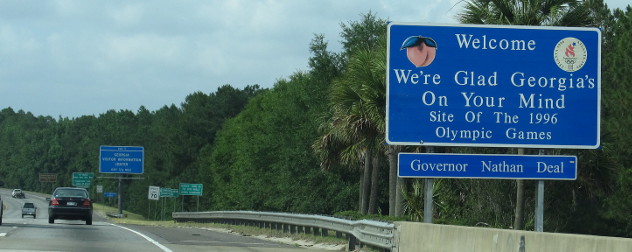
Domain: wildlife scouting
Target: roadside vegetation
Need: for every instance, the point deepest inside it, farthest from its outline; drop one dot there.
(314, 142)
(299, 239)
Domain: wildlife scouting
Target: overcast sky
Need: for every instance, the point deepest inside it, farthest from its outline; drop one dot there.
(73, 58)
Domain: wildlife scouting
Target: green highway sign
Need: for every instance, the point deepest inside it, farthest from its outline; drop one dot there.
(191, 189)
(82, 179)
(168, 193)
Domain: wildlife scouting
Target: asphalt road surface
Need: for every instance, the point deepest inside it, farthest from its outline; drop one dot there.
(36, 234)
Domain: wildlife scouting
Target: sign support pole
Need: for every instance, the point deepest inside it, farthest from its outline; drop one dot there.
(428, 192)
(428, 186)
(539, 207)
(162, 216)
(539, 203)
(519, 215)
(120, 198)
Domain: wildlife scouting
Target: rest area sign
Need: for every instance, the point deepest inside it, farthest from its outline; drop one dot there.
(121, 159)
(493, 86)
(536, 167)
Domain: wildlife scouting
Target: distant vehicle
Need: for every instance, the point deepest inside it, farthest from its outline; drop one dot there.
(70, 203)
(29, 209)
(17, 193)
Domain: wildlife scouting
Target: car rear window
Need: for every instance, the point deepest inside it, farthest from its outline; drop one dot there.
(29, 205)
(71, 193)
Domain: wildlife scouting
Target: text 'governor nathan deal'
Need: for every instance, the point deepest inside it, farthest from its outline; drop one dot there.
(493, 86)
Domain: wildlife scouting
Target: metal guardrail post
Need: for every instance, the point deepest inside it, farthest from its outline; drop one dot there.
(352, 243)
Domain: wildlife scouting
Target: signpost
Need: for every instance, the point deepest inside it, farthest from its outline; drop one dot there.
(99, 191)
(168, 193)
(435, 165)
(47, 178)
(82, 179)
(191, 189)
(493, 86)
(121, 160)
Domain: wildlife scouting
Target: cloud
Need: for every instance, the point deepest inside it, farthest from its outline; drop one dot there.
(73, 58)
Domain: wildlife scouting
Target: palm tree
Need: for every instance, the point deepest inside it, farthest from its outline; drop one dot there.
(342, 143)
(354, 133)
(526, 12)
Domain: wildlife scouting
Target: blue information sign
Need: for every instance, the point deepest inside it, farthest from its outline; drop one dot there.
(493, 86)
(109, 194)
(121, 159)
(537, 167)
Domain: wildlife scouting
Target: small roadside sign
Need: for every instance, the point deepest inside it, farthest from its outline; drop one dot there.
(191, 189)
(154, 193)
(48, 177)
(168, 192)
(82, 179)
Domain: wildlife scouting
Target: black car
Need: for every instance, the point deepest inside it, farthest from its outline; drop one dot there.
(70, 203)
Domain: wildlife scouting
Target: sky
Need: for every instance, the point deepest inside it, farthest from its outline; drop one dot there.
(69, 58)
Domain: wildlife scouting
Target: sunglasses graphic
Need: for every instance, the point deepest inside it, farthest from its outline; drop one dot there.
(417, 40)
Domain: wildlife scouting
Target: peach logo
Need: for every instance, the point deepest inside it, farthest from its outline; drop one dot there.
(421, 51)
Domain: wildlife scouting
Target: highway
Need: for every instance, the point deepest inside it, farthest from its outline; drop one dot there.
(29, 234)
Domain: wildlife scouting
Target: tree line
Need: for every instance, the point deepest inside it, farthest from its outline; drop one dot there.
(314, 142)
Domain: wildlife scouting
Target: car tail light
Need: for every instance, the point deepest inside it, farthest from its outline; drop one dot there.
(86, 202)
(54, 202)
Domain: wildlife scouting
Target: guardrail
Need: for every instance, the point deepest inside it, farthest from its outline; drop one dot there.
(364, 232)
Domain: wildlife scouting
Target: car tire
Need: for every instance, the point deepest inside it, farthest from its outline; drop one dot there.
(51, 220)
(23, 216)
(34, 216)
(89, 221)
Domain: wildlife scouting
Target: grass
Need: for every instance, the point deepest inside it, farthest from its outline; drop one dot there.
(136, 219)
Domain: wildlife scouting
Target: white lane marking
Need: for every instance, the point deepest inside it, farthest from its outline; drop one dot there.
(165, 249)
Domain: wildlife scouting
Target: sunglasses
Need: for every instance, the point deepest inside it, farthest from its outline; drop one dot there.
(417, 40)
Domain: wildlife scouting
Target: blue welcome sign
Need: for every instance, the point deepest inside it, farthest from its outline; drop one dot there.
(493, 86)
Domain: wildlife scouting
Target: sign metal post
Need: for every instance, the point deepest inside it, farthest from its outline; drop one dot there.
(428, 194)
(539, 203)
